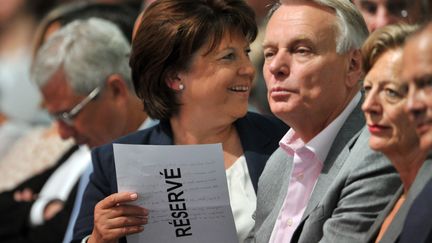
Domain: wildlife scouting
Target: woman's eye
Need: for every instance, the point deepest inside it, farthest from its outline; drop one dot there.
(392, 95)
(367, 90)
(229, 56)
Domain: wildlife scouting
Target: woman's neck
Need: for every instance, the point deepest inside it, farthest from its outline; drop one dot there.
(189, 131)
(408, 165)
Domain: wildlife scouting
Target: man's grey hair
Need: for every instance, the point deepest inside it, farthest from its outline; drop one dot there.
(350, 23)
(88, 51)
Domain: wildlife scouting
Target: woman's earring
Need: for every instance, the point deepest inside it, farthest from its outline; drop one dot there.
(181, 86)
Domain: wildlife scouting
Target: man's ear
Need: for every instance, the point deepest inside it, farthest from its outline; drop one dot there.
(354, 67)
(117, 86)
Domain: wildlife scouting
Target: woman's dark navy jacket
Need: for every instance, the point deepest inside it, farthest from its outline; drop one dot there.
(259, 137)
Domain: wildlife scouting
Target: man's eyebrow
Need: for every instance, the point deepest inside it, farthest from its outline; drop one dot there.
(422, 80)
(267, 44)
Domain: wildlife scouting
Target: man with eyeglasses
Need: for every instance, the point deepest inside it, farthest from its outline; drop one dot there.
(85, 82)
(379, 13)
(84, 76)
(68, 116)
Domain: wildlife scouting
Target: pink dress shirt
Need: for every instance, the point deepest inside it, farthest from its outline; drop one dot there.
(305, 171)
(307, 164)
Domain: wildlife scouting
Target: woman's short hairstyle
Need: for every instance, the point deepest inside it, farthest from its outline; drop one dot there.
(170, 32)
(382, 40)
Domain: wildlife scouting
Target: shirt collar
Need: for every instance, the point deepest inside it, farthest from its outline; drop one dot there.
(320, 145)
(147, 123)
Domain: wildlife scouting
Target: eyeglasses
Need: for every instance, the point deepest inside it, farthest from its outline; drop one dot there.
(69, 116)
(395, 8)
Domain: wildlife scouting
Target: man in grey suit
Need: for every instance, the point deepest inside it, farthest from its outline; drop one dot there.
(324, 183)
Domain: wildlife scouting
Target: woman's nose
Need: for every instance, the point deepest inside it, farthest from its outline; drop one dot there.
(371, 103)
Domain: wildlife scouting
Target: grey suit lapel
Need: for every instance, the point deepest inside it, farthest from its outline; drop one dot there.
(285, 166)
(395, 228)
(336, 157)
(272, 189)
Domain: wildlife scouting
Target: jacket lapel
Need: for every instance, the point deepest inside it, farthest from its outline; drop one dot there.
(162, 134)
(375, 228)
(254, 143)
(336, 157)
(395, 228)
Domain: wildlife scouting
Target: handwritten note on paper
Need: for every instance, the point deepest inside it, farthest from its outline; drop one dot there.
(184, 188)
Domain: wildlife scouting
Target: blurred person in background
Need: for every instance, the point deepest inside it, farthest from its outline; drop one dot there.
(120, 14)
(20, 100)
(134, 4)
(417, 72)
(379, 13)
(17, 165)
(146, 3)
(109, 93)
(392, 132)
(22, 197)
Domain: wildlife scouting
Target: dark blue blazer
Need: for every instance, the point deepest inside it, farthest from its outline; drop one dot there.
(418, 223)
(259, 137)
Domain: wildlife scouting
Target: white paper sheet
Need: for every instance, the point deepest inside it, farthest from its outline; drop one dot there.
(184, 188)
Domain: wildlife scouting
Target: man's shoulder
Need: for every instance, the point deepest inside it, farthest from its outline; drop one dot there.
(362, 154)
(362, 161)
(352, 127)
(346, 137)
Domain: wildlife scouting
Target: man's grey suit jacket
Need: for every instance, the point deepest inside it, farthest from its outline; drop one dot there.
(395, 228)
(355, 184)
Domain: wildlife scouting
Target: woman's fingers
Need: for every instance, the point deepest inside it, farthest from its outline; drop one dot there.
(115, 217)
(117, 198)
(121, 222)
(127, 210)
